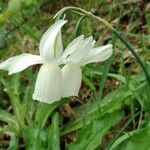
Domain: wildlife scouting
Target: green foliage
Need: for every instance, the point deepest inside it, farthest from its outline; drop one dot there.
(90, 135)
(6, 117)
(112, 93)
(113, 101)
(36, 134)
(13, 145)
(135, 140)
(53, 134)
(47, 139)
(78, 27)
(43, 113)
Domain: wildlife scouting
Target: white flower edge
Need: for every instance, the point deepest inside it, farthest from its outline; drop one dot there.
(50, 41)
(72, 78)
(71, 72)
(48, 87)
(18, 63)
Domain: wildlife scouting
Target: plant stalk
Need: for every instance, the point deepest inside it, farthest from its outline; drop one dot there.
(60, 14)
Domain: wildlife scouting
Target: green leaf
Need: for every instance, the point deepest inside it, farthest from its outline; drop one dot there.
(14, 85)
(9, 129)
(43, 112)
(113, 101)
(6, 117)
(88, 82)
(90, 136)
(78, 27)
(92, 72)
(135, 140)
(53, 134)
(36, 134)
(104, 77)
(43, 138)
(13, 144)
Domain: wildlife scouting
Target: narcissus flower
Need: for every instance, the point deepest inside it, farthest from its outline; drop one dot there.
(52, 82)
(78, 53)
(48, 87)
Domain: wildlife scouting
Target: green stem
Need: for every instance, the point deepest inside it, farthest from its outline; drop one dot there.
(109, 26)
(128, 45)
(132, 114)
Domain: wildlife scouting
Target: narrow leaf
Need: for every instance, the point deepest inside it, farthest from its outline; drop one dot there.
(43, 112)
(135, 140)
(78, 27)
(90, 136)
(53, 134)
(6, 117)
(113, 101)
(13, 144)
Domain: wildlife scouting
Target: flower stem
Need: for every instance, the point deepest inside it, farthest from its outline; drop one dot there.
(109, 26)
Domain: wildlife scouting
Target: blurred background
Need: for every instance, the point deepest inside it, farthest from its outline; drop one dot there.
(22, 23)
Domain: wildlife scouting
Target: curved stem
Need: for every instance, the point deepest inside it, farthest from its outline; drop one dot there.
(117, 33)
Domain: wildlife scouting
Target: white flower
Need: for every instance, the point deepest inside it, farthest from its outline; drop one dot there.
(48, 87)
(78, 53)
(53, 83)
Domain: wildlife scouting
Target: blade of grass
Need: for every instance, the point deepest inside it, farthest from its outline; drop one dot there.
(7, 117)
(53, 134)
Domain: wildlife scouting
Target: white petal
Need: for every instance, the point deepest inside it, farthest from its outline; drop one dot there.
(82, 50)
(51, 42)
(73, 46)
(72, 78)
(98, 54)
(18, 63)
(58, 46)
(48, 86)
(93, 44)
